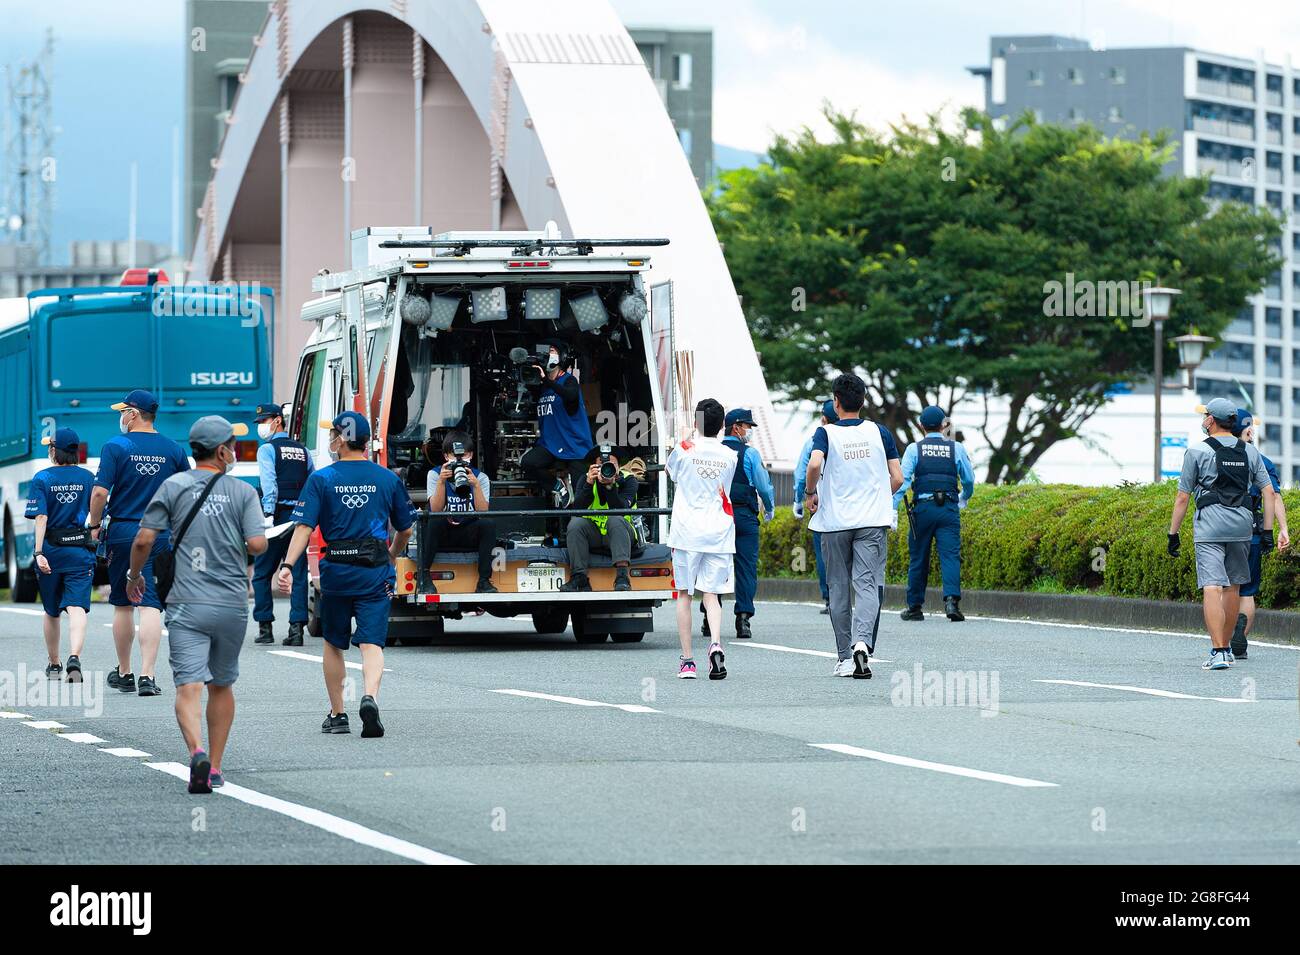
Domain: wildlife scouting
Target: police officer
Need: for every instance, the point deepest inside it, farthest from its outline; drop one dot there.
(751, 495)
(1261, 539)
(283, 465)
(133, 465)
(58, 501)
(932, 468)
(800, 471)
(354, 501)
(564, 434)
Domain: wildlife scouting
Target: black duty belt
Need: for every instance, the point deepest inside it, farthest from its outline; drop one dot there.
(359, 552)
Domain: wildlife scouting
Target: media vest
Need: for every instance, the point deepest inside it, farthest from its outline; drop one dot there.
(566, 436)
(290, 471)
(744, 496)
(854, 487)
(461, 505)
(936, 466)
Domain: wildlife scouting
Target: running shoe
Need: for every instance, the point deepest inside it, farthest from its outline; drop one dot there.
(148, 687)
(843, 668)
(1217, 660)
(685, 669)
(215, 779)
(716, 669)
(335, 724)
(122, 681)
(861, 656)
(200, 770)
(52, 670)
(74, 669)
(371, 726)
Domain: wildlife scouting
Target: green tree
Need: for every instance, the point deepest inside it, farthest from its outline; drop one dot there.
(922, 260)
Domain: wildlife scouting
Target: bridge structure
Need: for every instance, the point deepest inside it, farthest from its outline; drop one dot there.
(463, 115)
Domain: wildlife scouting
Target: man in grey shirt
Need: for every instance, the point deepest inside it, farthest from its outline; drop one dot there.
(1218, 474)
(207, 607)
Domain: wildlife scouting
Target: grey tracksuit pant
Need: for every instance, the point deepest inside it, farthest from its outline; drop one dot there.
(855, 567)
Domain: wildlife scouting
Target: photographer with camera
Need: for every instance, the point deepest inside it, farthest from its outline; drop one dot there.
(607, 485)
(460, 488)
(564, 435)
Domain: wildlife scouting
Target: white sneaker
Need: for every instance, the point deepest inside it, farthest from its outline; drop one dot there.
(843, 668)
(861, 670)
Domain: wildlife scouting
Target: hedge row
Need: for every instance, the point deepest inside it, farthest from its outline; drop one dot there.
(1107, 540)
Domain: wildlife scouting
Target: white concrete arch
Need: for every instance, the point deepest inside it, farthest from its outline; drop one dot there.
(512, 114)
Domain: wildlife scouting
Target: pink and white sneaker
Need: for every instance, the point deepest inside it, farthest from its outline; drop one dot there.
(685, 669)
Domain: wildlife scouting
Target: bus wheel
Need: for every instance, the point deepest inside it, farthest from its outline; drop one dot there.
(313, 612)
(21, 583)
(550, 620)
(626, 637)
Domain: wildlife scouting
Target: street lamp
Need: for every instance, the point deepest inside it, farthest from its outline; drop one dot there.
(1158, 302)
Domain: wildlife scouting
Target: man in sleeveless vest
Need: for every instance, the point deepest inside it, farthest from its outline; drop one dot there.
(283, 466)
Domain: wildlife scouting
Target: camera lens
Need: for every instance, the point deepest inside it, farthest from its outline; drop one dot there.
(607, 470)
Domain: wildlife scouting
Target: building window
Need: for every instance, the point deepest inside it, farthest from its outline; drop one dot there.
(1074, 75)
(1232, 358)
(1035, 78)
(1273, 400)
(1272, 322)
(684, 137)
(1115, 115)
(1118, 75)
(1274, 200)
(1273, 363)
(682, 71)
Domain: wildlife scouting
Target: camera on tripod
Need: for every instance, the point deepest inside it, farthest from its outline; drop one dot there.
(608, 469)
(460, 471)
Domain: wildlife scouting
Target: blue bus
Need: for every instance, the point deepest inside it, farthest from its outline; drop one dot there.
(67, 354)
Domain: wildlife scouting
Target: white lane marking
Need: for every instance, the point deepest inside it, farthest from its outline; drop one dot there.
(936, 767)
(343, 828)
(1088, 626)
(294, 654)
(81, 738)
(24, 611)
(625, 707)
(14, 716)
(811, 653)
(1168, 694)
(45, 725)
(125, 751)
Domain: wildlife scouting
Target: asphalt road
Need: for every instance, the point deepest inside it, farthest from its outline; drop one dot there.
(669, 771)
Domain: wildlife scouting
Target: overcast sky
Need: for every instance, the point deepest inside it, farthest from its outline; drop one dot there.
(119, 79)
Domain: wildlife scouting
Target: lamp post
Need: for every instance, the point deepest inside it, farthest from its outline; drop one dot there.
(1158, 301)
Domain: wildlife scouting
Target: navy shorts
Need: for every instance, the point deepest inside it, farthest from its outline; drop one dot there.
(67, 588)
(337, 611)
(1252, 589)
(119, 562)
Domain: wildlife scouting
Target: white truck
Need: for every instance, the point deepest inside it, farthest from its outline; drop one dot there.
(429, 332)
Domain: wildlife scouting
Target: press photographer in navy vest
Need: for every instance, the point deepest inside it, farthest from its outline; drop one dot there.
(283, 466)
(461, 489)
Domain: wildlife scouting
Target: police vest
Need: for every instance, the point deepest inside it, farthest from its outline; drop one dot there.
(1257, 501)
(936, 466)
(743, 493)
(854, 489)
(290, 471)
(461, 505)
(1231, 486)
(566, 436)
(598, 505)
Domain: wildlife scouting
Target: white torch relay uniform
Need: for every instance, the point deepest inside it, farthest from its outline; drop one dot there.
(702, 530)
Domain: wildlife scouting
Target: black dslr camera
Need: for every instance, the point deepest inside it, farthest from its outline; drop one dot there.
(460, 471)
(608, 470)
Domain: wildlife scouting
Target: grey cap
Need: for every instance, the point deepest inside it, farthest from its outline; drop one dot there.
(212, 431)
(1220, 409)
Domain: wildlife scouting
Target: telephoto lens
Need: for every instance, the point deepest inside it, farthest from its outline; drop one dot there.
(460, 478)
(607, 470)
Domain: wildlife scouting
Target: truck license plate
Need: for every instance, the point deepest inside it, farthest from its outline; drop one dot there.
(532, 580)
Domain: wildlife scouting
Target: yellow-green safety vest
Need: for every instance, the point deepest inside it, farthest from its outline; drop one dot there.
(598, 505)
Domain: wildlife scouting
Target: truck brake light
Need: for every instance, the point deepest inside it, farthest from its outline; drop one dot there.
(650, 572)
(528, 264)
(144, 277)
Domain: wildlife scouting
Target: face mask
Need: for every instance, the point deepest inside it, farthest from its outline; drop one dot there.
(264, 430)
(122, 423)
(1205, 428)
(745, 435)
(334, 454)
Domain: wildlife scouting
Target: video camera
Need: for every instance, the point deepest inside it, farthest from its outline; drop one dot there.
(527, 369)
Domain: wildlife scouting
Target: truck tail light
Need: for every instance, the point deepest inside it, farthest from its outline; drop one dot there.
(245, 450)
(650, 572)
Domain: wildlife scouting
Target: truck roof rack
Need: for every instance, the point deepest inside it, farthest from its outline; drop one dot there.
(526, 247)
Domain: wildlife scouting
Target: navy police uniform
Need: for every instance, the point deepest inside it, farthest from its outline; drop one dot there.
(283, 467)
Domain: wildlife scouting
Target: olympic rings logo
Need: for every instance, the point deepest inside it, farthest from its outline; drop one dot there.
(66, 497)
(708, 473)
(212, 508)
(353, 501)
(148, 468)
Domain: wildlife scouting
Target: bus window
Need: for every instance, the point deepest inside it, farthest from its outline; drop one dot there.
(306, 401)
